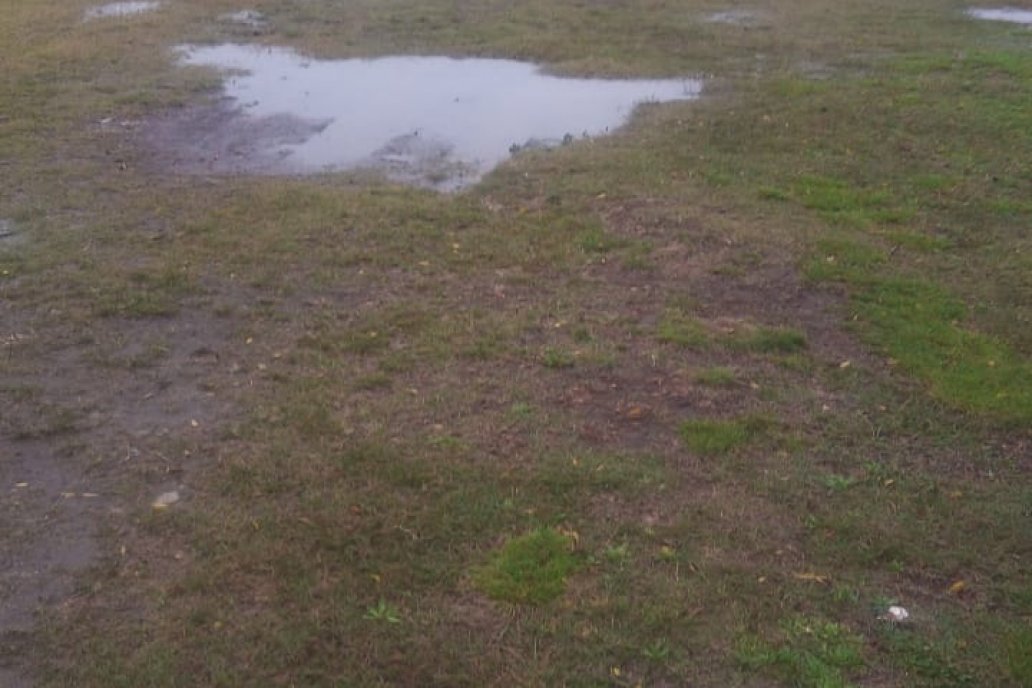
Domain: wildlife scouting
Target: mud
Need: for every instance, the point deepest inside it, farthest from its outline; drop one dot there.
(429, 121)
(119, 9)
(1004, 14)
(90, 434)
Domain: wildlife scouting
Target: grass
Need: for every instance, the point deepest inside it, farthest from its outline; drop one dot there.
(921, 326)
(717, 376)
(522, 435)
(720, 436)
(530, 569)
(814, 654)
(683, 330)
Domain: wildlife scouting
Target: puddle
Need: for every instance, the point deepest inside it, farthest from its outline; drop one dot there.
(739, 17)
(251, 19)
(431, 121)
(1005, 14)
(9, 234)
(119, 9)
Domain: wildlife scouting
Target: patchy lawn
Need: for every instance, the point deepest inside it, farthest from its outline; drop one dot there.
(692, 404)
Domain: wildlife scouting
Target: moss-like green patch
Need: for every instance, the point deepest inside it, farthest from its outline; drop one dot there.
(717, 376)
(530, 569)
(720, 436)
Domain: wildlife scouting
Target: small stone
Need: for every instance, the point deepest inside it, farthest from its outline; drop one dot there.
(165, 500)
(897, 614)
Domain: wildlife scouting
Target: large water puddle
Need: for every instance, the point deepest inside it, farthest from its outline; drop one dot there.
(119, 9)
(1004, 14)
(430, 121)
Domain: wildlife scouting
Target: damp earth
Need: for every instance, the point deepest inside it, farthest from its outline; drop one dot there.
(429, 121)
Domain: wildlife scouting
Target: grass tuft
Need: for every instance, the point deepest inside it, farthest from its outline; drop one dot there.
(813, 654)
(530, 569)
(717, 376)
(720, 436)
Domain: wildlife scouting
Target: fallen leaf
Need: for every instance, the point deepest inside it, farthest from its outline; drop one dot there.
(813, 578)
(635, 413)
(958, 587)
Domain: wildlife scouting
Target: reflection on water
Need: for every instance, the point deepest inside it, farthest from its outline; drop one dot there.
(434, 121)
(119, 9)
(1007, 14)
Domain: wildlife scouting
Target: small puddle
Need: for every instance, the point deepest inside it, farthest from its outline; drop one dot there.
(251, 19)
(8, 232)
(430, 121)
(1004, 14)
(119, 9)
(738, 17)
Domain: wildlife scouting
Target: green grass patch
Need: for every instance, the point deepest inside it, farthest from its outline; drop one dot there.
(812, 654)
(844, 259)
(717, 376)
(721, 436)
(1018, 655)
(770, 340)
(557, 358)
(924, 328)
(530, 569)
(682, 329)
(921, 325)
(677, 327)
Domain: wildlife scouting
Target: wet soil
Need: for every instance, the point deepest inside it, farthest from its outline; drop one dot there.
(86, 439)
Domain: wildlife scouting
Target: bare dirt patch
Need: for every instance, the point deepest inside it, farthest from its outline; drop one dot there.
(99, 425)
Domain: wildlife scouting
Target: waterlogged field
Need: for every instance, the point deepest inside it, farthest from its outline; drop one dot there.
(737, 395)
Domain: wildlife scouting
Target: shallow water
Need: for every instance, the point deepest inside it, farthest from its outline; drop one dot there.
(119, 9)
(1006, 14)
(733, 17)
(432, 121)
(249, 18)
(9, 237)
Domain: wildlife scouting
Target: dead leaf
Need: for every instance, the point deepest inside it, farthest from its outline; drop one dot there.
(635, 413)
(813, 578)
(958, 586)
